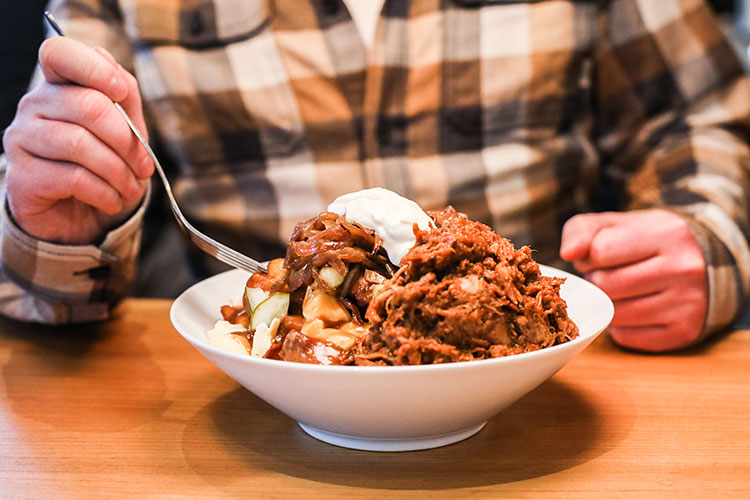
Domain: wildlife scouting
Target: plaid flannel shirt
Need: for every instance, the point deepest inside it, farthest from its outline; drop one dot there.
(513, 112)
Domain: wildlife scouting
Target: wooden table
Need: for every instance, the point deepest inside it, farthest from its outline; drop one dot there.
(128, 408)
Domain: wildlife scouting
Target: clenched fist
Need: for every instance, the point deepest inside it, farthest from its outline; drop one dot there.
(651, 266)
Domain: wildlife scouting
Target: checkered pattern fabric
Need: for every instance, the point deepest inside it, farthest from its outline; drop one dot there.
(513, 112)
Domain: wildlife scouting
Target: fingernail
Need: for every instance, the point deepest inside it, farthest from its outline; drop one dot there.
(117, 89)
(146, 168)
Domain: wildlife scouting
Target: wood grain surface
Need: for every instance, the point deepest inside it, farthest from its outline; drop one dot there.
(128, 408)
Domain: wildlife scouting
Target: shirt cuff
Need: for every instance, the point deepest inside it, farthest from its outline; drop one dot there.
(77, 282)
(724, 253)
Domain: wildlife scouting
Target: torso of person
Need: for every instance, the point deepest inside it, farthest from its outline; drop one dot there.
(271, 109)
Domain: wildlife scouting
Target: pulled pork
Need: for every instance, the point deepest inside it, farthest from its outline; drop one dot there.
(463, 293)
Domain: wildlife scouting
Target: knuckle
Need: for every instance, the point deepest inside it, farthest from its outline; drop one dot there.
(595, 277)
(681, 227)
(13, 183)
(695, 305)
(14, 137)
(19, 172)
(10, 137)
(84, 186)
(78, 179)
(76, 143)
(598, 278)
(25, 103)
(107, 55)
(695, 267)
(95, 69)
(93, 106)
(675, 225)
(691, 266)
(598, 249)
(574, 222)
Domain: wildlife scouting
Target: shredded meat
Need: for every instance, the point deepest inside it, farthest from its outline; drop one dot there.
(463, 293)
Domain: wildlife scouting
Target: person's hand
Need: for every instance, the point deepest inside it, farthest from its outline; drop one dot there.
(75, 169)
(653, 269)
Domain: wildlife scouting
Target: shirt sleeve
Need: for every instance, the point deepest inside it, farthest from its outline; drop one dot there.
(49, 283)
(673, 115)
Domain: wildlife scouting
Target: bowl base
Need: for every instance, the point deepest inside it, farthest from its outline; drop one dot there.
(390, 444)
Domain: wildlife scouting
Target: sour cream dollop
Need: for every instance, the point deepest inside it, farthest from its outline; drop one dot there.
(390, 215)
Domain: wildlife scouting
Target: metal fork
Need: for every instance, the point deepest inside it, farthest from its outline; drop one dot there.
(202, 241)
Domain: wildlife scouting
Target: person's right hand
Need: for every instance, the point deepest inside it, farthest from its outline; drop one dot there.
(75, 170)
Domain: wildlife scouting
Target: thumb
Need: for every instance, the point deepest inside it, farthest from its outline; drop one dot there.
(579, 231)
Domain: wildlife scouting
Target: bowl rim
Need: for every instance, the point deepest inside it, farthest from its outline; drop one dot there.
(456, 365)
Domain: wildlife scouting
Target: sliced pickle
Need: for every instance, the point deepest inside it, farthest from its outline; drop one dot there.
(275, 306)
(332, 277)
(254, 297)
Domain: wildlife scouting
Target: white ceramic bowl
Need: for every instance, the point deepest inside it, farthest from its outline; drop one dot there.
(389, 408)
